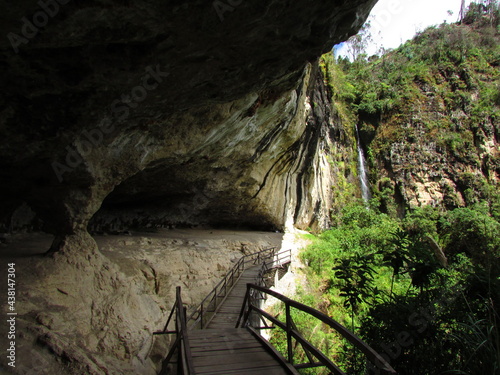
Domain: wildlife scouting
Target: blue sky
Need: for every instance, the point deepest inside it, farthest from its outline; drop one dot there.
(395, 21)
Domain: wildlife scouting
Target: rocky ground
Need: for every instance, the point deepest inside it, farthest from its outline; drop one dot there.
(195, 259)
(96, 308)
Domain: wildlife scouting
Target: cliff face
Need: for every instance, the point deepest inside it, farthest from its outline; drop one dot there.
(429, 114)
(183, 102)
(444, 155)
(96, 308)
(256, 162)
(145, 114)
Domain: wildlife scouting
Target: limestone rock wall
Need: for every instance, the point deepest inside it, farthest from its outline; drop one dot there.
(266, 162)
(138, 98)
(425, 170)
(264, 165)
(90, 311)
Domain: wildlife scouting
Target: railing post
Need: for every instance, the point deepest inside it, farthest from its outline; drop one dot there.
(201, 316)
(246, 301)
(215, 298)
(289, 333)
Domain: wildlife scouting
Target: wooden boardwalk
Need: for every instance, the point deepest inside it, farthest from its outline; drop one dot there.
(231, 351)
(227, 314)
(218, 348)
(223, 349)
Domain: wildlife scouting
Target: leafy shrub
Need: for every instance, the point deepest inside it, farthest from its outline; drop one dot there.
(473, 232)
(382, 274)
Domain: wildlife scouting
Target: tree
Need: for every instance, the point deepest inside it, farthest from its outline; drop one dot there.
(357, 44)
(398, 256)
(463, 11)
(488, 10)
(356, 278)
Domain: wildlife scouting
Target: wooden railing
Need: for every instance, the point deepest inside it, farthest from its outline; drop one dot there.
(181, 343)
(201, 315)
(315, 358)
(279, 260)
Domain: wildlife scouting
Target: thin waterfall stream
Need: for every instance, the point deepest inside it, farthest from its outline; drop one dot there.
(363, 176)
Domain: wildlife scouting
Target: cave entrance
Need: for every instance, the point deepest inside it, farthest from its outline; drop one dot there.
(179, 196)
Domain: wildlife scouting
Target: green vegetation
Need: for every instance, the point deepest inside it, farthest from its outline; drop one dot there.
(343, 160)
(419, 284)
(441, 89)
(423, 290)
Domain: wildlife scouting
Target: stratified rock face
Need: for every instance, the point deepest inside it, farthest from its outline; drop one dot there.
(427, 173)
(263, 165)
(183, 110)
(429, 169)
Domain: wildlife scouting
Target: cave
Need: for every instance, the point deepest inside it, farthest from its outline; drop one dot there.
(190, 196)
(121, 117)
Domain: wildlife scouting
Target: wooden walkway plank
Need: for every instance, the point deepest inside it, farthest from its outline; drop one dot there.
(231, 351)
(238, 350)
(229, 311)
(260, 371)
(222, 349)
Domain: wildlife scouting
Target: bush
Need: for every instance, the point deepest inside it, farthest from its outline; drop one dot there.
(381, 276)
(473, 232)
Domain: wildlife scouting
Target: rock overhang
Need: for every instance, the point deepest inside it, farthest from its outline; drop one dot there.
(99, 87)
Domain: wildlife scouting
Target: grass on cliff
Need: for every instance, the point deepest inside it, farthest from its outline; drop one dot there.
(442, 86)
(439, 91)
(420, 285)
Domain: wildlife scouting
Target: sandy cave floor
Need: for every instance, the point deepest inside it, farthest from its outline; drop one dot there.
(30, 244)
(156, 263)
(193, 258)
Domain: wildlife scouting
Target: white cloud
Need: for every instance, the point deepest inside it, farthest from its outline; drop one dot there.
(395, 21)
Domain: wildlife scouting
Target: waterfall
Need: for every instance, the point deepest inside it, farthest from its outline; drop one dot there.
(363, 176)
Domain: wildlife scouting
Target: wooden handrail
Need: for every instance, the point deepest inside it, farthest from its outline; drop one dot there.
(290, 329)
(209, 304)
(279, 259)
(181, 343)
(214, 298)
